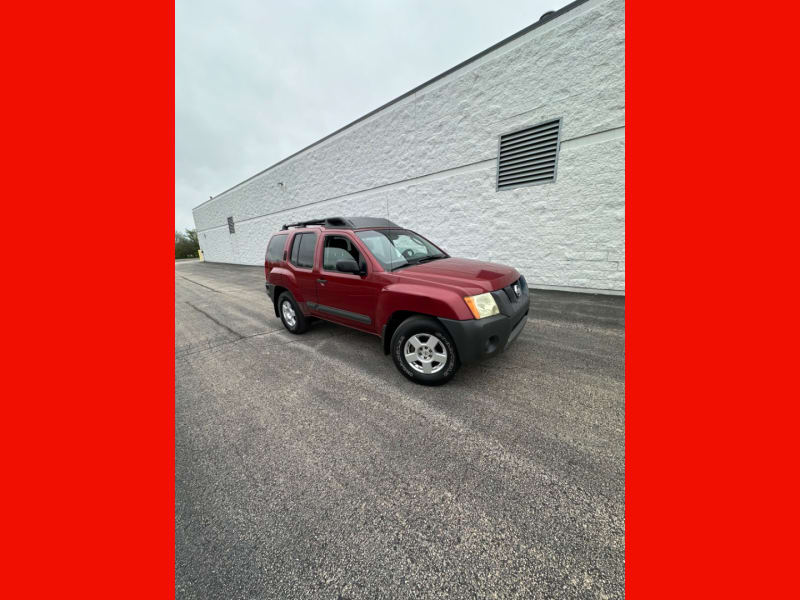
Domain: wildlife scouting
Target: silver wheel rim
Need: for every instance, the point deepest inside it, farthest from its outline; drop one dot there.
(288, 313)
(425, 353)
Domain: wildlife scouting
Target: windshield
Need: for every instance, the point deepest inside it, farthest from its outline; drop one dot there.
(397, 248)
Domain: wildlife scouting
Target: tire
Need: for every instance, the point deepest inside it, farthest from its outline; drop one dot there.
(417, 343)
(291, 315)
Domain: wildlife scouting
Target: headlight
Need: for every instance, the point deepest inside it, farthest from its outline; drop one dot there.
(482, 305)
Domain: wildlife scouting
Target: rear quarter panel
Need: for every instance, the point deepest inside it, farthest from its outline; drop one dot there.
(283, 277)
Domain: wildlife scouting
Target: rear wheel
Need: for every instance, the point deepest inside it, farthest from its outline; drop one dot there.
(424, 352)
(291, 315)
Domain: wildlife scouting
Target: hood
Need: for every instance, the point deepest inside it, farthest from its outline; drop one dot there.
(471, 276)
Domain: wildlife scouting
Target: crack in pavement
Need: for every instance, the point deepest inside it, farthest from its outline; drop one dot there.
(220, 323)
(236, 341)
(263, 333)
(200, 284)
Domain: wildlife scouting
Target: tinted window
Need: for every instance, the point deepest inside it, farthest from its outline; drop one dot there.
(336, 248)
(275, 248)
(303, 250)
(295, 248)
(307, 245)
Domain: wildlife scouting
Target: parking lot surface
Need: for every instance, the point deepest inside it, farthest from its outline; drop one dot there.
(308, 467)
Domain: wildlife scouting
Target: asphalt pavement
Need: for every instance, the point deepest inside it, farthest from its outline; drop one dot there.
(309, 467)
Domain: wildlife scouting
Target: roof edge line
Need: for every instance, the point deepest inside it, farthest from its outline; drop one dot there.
(481, 54)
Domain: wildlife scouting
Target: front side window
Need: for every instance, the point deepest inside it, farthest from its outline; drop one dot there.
(303, 246)
(397, 248)
(336, 248)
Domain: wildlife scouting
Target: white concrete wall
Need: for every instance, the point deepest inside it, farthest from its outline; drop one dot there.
(428, 162)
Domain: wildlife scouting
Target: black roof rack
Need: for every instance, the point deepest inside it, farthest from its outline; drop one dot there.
(344, 223)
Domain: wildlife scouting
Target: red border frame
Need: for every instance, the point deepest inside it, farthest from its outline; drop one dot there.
(710, 428)
(88, 426)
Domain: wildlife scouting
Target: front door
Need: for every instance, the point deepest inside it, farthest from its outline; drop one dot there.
(346, 298)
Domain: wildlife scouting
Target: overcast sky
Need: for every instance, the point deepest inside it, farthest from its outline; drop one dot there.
(257, 80)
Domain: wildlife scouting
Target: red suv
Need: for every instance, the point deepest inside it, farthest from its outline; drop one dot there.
(433, 312)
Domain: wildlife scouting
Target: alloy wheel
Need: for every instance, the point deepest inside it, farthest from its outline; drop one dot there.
(425, 353)
(289, 315)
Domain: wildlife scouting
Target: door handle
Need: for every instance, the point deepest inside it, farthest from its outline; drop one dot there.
(322, 281)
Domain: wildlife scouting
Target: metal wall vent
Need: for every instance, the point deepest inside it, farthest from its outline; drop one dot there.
(528, 156)
(231, 229)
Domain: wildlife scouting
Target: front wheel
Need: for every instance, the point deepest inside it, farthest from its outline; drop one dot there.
(424, 352)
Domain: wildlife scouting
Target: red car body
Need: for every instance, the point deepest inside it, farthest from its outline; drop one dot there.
(377, 300)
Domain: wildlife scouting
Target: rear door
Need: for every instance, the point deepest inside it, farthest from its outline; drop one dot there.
(301, 259)
(346, 298)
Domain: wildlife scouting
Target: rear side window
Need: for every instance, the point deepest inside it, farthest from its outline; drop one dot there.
(303, 246)
(275, 248)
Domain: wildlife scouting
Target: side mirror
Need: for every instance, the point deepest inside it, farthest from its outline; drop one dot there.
(347, 265)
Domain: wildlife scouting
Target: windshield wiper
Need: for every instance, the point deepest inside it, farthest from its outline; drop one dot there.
(427, 258)
(416, 262)
(408, 264)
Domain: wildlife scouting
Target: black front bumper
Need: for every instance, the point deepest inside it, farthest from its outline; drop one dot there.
(481, 338)
(271, 292)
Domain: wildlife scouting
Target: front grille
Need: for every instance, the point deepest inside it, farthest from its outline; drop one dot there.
(507, 300)
(509, 290)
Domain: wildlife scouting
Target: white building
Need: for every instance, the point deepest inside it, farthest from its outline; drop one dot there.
(549, 99)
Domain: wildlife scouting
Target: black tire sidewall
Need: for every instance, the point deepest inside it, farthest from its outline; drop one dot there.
(411, 327)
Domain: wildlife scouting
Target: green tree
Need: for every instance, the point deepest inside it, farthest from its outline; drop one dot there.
(186, 244)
